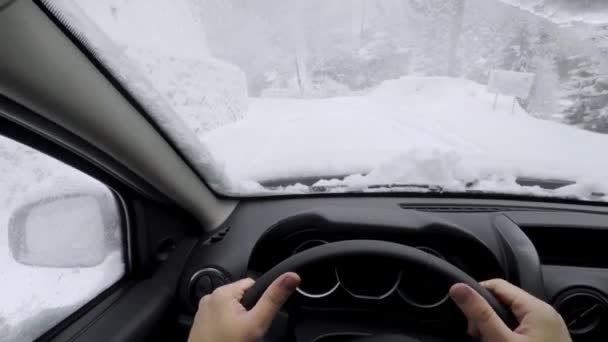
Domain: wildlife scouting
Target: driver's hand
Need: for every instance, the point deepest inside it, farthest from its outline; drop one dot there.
(222, 318)
(538, 321)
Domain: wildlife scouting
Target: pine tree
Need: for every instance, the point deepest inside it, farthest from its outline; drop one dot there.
(517, 54)
(545, 91)
(544, 96)
(455, 33)
(588, 92)
(430, 35)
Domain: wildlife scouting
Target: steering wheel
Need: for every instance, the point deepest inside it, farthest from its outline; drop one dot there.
(374, 248)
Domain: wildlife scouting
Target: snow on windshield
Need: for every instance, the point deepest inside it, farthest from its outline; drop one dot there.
(278, 96)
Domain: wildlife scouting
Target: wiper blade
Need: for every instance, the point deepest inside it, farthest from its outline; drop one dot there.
(425, 187)
(470, 187)
(548, 184)
(307, 181)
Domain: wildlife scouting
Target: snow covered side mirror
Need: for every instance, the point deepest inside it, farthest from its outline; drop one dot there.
(66, 232)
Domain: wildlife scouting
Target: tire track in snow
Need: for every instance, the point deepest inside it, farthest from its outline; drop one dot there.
(267, 145)
(438, 132)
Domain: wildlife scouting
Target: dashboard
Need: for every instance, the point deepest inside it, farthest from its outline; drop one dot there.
(555, 252)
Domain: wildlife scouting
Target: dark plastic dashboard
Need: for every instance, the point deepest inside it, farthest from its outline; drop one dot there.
(554, 251)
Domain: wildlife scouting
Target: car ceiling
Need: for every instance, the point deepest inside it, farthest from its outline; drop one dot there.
(45, 71)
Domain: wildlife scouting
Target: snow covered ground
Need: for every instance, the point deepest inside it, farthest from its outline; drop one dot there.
(415, 130)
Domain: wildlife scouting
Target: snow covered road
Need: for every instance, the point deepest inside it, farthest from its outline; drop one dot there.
(404, 122)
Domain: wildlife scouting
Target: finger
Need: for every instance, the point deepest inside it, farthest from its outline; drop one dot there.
(275, 296)
(236, 290)
(472, 329)
(479, 313)
(203, 302)
(520, 301)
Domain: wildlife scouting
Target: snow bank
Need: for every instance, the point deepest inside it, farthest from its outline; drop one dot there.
(420, 166)
(447, 172)
(167, 42)
(205, 92)
(429, 130)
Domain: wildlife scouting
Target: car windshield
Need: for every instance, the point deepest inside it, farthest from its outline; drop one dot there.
(272, 97)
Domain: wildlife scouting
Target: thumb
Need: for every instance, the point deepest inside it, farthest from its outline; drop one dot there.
(480, 314)
(237, 289)
(273, 299)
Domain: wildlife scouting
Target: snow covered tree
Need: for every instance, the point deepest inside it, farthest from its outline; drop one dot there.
(583, 67)
(236, 32)
(544, 96)
(429, 36)
(517, 54)
(455, 32)
(588, 93)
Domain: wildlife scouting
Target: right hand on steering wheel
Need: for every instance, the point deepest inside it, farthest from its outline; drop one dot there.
(538, 321)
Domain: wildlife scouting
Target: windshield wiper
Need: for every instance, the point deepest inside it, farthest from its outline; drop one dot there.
(424, 187)
(308, 181)
(546, 184)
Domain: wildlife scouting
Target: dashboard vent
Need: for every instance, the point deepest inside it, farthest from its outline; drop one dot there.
(569, 246)
(219, 236)
(585, 311)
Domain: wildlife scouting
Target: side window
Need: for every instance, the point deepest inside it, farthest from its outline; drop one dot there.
(60, 241)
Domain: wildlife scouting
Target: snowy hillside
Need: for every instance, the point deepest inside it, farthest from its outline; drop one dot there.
(167, 44)
(415, 130)
(566, 11)
(205, 92)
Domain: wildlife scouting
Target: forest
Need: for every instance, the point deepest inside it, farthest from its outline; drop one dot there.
(321, 48)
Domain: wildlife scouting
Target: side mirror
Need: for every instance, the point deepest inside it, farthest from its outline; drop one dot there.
(66, 231)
